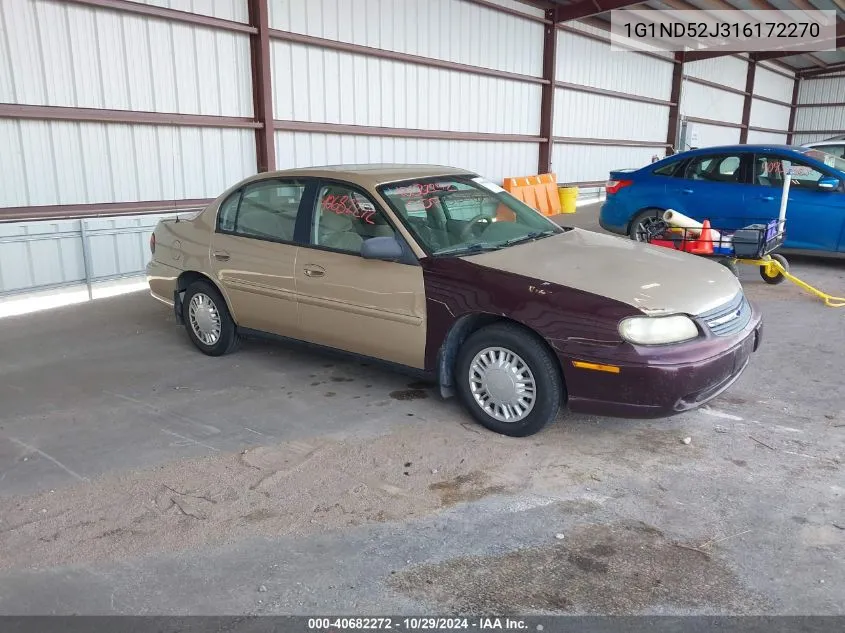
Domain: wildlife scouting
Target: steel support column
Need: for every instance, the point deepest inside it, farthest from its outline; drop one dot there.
(792, 110)
(748, 99)
(262, 88)
(675, 99)
(547, 102)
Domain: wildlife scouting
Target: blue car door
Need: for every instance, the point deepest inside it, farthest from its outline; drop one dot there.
(712, 186)
(814, 217)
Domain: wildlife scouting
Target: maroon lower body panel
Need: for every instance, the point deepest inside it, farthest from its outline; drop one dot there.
(657, 391)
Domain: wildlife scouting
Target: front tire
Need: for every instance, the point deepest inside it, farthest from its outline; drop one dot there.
(508, 380)
(207, 319)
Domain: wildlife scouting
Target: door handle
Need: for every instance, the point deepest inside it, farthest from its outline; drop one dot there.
(687, 191)
(221, 256)
(769, 198)
(314, 271)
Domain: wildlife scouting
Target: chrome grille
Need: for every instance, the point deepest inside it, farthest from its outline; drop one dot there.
(729, 318)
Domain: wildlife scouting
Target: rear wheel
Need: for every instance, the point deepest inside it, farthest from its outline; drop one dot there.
(508, 380)
(641, 223)
(772, 275)
(207, 319)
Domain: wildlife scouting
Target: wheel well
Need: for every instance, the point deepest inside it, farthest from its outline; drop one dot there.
(460, 331)
(638, 214)
(183, 282)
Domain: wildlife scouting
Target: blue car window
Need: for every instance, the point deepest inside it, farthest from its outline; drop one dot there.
(720, 168)
(769, 171)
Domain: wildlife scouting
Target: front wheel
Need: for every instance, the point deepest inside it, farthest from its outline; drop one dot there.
(508, 380)
(772, 275)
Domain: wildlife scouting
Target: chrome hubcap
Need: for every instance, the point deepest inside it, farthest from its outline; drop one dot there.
(502, 384)
(204, 318)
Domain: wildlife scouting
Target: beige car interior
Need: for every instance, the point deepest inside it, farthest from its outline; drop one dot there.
(346, 232)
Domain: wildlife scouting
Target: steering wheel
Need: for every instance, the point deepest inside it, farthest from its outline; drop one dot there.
(466, 232)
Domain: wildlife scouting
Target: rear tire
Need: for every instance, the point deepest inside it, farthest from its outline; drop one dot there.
(636, 230)
(502, 372)
(207, 320)
(778, 278)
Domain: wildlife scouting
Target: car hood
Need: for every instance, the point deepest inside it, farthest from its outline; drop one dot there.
(653, 279)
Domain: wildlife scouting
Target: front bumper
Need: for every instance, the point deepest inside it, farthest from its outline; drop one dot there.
(658, 390)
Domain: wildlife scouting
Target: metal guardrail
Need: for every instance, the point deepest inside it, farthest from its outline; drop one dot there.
(55, 254)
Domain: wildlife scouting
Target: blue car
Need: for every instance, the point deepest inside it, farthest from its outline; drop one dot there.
(735, 186)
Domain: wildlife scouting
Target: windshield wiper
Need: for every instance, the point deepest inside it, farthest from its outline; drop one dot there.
(536, 235)
(469, 248)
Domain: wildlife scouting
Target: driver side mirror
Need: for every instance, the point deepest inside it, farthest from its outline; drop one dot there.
(828, 184)
(384, 248)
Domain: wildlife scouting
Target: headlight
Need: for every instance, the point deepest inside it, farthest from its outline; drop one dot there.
(658, 330)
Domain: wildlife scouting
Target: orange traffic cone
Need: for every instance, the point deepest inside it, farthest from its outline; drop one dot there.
(705, 240)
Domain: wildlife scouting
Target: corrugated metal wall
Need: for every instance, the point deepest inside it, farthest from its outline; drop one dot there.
(589, 62)
(315, 84)
(361, 90)
(63, 162)
(79, 56)
(765, 114)
(817, 121)
(42, 255)
(302, 149)
(709, 102)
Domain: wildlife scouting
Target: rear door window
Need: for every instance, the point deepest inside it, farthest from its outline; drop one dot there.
(266, 209)
(716, 168)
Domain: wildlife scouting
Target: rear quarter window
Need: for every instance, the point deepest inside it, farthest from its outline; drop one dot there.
(667, 170)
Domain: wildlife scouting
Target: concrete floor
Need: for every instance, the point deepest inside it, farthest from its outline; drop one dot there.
(138, 476)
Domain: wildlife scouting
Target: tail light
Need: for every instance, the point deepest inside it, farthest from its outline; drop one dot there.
(153, 243)
(612, 186)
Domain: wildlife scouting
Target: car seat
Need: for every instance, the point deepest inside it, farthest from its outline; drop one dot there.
(337, 231)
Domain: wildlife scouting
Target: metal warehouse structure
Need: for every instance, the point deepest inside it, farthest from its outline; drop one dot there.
(113, 112)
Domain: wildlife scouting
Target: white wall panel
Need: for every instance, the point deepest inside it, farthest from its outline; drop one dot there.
(588, 115)
(820, 118)
(60, 162)
(825, 90)
(516, 5)
(320, 85)
(770, 115)
(451, 30)
(771, 84)
(236, 10)
(493, 160)
(711, 103)
(713, 135)
(728, 71)
(581, 163)
(69, 55)
(588, 62)
(50, 253)
(765, 138)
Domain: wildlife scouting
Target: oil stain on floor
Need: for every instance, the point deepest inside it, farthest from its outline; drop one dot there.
(607, 569)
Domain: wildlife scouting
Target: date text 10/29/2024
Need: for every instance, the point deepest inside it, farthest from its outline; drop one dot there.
(417, 624)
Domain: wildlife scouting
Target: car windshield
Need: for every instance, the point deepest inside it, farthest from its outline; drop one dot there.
(818, 153)
(461, 215)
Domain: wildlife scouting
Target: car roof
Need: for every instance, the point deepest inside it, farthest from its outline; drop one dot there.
(737, 148)
(369, 175)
